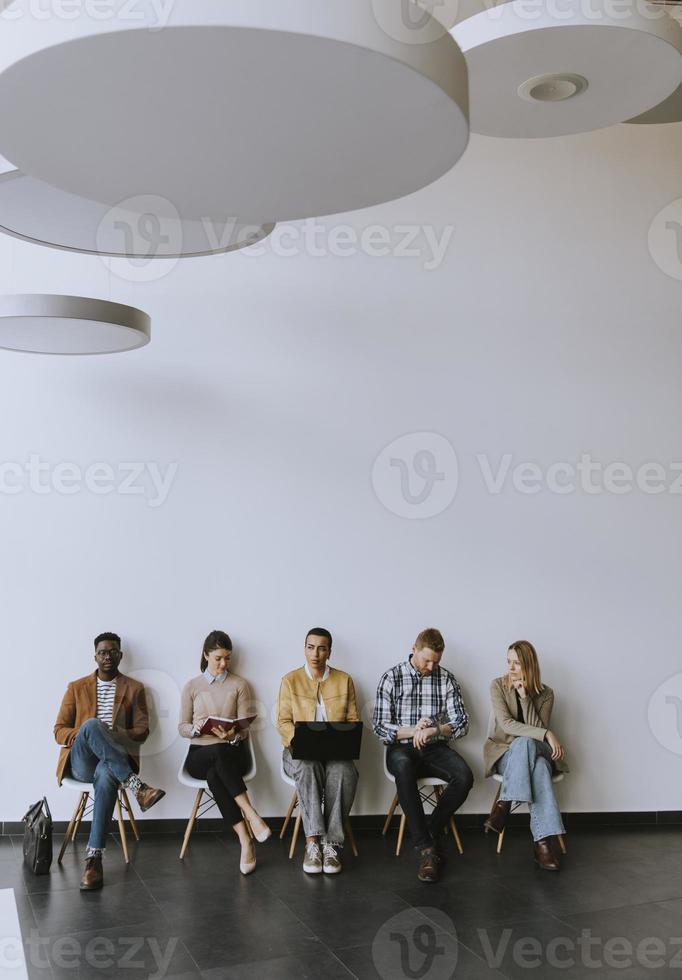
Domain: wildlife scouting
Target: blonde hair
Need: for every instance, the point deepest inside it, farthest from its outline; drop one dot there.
(528, 658)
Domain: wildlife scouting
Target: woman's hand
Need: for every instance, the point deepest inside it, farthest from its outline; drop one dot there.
(555, 745)
(225, 734)
(519, 684)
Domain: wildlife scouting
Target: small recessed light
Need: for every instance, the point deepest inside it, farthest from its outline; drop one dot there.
(553, 87)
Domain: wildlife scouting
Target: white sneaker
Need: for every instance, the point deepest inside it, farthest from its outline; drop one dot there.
(331, 864)
(312, 859)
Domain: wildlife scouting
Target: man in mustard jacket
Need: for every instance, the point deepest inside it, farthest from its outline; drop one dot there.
(102, 721)
(317, 692)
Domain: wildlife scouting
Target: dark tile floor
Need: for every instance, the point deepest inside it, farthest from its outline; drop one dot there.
(614, 911)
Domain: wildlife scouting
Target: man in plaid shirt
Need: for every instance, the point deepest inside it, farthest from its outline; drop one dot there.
(418, 709)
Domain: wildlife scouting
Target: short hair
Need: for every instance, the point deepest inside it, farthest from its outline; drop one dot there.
(111, 637)
(431, 638)
(216, 640)
(319, 631)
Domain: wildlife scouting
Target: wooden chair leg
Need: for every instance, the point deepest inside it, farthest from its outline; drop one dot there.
(389, 817)
(455, 834)
(68, 836)
(294, 836)
(190, 823)
(562, 843)
(287, 819)
(79, 815)
(500, 841)
(129, 811)
(122, 829)
(401, 834)
(351, 838)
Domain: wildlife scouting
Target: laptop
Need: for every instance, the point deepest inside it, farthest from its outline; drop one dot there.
(326, 741)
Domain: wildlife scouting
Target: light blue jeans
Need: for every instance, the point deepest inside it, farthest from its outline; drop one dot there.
(97, 758)
(526, 770)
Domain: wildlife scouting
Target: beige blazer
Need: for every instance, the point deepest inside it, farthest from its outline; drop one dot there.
(537, 712)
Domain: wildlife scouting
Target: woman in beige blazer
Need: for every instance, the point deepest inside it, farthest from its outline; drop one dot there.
(525, 751)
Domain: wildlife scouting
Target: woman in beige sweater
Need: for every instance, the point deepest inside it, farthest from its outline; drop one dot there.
(525, 751)
(222, 757)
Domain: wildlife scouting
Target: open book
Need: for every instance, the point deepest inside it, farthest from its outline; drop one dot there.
(229, 723)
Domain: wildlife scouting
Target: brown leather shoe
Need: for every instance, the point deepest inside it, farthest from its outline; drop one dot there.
(429, 865)
(147, 796)
(93, 876)
(497, 820)
(545, 856)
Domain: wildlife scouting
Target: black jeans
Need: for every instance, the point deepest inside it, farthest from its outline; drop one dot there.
(407, 764)
(222, 766)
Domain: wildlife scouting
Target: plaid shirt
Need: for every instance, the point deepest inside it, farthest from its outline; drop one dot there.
(404, 696)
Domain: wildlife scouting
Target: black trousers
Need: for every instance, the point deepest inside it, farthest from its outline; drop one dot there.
(222, 766)
(407, 764)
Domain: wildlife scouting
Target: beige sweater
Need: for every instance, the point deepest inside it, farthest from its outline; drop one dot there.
(230, 698)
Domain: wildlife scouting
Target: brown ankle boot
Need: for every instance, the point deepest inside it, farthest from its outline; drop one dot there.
(147, 796)
(545, 856)
(428, 865)
(497, 820)
(93, 876)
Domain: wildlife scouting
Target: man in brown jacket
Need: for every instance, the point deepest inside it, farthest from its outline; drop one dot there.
(102, 721)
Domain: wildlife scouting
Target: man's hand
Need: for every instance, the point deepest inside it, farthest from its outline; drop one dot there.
(424, 735)
(424, 723)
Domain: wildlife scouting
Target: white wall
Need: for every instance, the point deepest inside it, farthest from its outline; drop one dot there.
(274, 382)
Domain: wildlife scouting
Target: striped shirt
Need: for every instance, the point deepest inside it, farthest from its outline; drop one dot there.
(404, 696)
(106, 693)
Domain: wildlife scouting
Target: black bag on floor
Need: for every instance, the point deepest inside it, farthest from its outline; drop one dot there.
(38, 838)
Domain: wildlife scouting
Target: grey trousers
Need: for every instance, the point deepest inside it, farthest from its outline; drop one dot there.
(326, 791)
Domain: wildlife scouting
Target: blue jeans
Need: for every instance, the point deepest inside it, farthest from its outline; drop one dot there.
(526, 768)
(97, 758)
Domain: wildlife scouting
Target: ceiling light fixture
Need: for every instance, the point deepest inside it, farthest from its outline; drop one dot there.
(272, 109)
(540, 72)
(145, 227)
(45, 324)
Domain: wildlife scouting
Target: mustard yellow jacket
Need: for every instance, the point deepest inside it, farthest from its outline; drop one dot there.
(297, 700)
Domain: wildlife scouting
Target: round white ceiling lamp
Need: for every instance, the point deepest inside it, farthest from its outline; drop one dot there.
(44, 324)
(566, 67)
(145, 227)
(274, 109)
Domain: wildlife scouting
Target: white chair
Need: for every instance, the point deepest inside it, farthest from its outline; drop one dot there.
(297, 823)
(430, 790)
(201, 786)
(84, 808)
(556, 778)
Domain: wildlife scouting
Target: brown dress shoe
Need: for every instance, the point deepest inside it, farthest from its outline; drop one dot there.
(497, 820)
(429, 865)
(147, 796)
(545, 856)
(93, 876)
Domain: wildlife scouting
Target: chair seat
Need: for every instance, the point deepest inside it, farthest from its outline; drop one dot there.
(556, 778)
(76, 784)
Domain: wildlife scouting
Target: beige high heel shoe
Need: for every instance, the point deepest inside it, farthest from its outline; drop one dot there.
(264, 834)
(246, 867)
